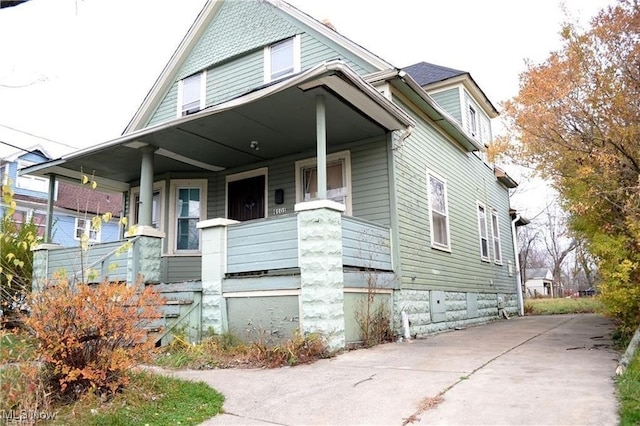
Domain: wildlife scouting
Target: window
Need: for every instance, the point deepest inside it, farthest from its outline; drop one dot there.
(482, 231)
(191, 94)
(83, 227)
(188, 207)
(438, 212)
(495, 230)
(21, 217)
(473, 121)
(155, 209)
(32, 183)
(282, 59)
(338, 179)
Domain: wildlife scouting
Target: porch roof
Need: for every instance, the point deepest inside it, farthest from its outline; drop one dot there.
(280, 117)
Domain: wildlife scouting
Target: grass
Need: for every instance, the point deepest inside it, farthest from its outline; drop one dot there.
(149, 399)
(227, 351)
(548, 306)
(628, 385)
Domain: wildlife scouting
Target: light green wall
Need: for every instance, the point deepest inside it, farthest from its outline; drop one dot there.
(271, 319)
(469, 181)
(235, 66)
(449, 100)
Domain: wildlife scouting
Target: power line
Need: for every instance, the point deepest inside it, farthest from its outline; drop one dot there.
(35, 136)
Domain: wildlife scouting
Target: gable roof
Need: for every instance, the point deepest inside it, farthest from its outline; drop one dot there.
(170, 73)
(539, 274)
(425, 73)
(436, 76)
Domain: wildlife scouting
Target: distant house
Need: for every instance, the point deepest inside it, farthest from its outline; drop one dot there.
(277, 171)
(539, 282)
(73, 206)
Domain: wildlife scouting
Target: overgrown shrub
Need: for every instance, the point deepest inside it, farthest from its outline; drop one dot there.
(16, 257)
(23, 389)
(88, 337)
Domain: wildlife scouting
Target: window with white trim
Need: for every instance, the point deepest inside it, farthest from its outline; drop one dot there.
(338, 179)
(438, 212)
(157, 208)
(32, 183)
(188, 203)
(282, 59)
(191, 94)
(84, 226)
(482, 232)
(495, 231)
(473, 121)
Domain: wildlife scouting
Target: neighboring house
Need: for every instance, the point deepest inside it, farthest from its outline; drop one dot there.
(73, 206)
(539, 282)
(219, 167)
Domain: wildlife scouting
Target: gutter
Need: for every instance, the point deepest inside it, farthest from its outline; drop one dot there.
(517, 259)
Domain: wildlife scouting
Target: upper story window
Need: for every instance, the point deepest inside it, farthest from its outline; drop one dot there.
(32, 183)
(438, 212)
(338, 179)
(191, 94)
(473, 121)
(482, 232)
(282, 59)
(495, 228)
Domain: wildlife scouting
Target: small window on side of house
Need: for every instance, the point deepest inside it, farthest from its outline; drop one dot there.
(495, 231)
(438, 212)
(282, 59)
(84, 227)
(482, 232)
(473, 121)
(191, 94)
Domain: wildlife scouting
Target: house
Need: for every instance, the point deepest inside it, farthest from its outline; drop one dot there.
(539, 282)
(278, 173)
(73, 206)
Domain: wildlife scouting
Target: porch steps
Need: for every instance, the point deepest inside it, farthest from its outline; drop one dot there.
(181, 312)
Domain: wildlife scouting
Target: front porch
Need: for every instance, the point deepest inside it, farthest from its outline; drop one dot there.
(264, 278)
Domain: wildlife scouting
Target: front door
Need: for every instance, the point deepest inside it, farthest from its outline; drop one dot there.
(246, 198)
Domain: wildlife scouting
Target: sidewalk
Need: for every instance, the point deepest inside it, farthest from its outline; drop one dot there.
(538, 370)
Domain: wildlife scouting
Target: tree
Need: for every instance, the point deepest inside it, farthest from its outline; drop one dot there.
(577, 119)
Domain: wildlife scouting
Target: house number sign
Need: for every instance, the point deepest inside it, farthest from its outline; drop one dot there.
(280, 210)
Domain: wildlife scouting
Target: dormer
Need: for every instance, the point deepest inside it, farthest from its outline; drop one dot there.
(457, 93)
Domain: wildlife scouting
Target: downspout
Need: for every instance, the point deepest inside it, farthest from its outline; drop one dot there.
(514, 234)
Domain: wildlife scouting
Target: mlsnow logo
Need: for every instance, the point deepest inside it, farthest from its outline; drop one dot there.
(22, 415)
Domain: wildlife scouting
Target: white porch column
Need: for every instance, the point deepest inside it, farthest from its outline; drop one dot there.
(145, 210)
(321, 142)
(214, 266)
(321, 275)
(48, 233)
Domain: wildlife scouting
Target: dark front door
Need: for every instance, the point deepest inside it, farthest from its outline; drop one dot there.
(246, 199)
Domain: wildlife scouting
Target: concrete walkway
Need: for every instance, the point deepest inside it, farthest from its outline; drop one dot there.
(538, 370)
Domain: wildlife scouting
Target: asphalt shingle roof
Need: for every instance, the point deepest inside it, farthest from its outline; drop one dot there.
(425, 73)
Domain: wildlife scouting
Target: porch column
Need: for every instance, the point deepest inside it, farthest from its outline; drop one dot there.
(214, 266)
(144, 257)
(321, 275)
(145, 210)
(321, 142)
(50, 202)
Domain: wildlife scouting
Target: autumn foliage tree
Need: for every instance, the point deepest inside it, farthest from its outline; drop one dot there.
(576, 119)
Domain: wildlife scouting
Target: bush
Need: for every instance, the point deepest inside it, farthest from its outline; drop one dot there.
(16, 258)
(23, 389)
(88, 337)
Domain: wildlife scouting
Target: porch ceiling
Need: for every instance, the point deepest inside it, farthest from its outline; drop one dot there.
(282, 121)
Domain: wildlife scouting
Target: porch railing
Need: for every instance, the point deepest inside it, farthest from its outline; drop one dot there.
(272, 244)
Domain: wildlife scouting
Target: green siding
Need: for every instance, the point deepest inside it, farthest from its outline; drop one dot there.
(236, 66)
(469, 180)
(238, 27)
(483, 120)
(449, 100)
(369, 180)
(181, 268)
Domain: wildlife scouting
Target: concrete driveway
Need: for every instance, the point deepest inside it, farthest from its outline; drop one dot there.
(538, 370)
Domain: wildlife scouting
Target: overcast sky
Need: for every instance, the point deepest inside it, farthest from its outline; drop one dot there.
(75, 71)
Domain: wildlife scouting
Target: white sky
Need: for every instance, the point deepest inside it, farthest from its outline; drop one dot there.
(75, 71)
